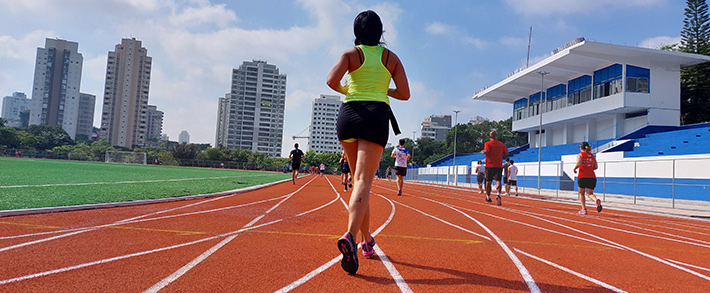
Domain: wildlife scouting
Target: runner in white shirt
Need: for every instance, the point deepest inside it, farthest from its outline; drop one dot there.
(512, 178)
(401, 156)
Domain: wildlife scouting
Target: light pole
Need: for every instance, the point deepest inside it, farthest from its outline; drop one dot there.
(456, 122)
(414, 135)
(541, 106)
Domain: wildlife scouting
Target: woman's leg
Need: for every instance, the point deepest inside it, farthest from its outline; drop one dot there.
(582, 199)
(366, 156)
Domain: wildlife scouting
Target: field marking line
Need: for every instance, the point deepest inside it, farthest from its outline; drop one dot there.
(518, 222)
(192, 264)
(397, 277)
(108, 260)
(590, 279)
(529, 281)
(123, 182)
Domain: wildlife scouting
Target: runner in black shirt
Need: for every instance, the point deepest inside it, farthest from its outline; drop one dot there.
(296, 156)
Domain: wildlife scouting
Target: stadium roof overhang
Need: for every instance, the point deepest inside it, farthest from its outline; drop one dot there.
(579, 57)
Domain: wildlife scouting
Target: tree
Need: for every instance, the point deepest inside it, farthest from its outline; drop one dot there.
(695, 80)
(426, 149)
(2, 122)
(49, 136)
(185, 151)
(8, 137)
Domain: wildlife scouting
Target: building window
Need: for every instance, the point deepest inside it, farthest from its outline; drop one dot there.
(607, 81)
(579, 90)
(637, 79)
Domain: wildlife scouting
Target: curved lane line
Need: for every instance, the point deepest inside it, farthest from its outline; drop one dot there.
(590, 279)
(388, 264)
(183, 270)
(79, 266)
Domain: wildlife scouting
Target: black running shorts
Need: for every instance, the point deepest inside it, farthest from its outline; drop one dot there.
(364, 120)
(401, 171)
(494, 173)
(480, 178)
(589, 183)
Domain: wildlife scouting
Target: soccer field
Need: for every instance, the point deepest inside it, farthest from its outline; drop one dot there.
(28, 183)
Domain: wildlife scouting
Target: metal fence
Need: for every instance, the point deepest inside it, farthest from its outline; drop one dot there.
(665, 182)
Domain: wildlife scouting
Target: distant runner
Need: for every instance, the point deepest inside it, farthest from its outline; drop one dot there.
(295, 156)
(401, 156)
(586, 163)
(494, 151)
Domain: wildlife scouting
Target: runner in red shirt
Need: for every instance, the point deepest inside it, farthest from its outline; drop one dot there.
(586, 163)
(494, 151)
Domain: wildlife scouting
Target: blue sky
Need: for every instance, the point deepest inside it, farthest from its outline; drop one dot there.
(450, 48)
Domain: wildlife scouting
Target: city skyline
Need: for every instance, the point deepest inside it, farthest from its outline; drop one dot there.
(450, 50)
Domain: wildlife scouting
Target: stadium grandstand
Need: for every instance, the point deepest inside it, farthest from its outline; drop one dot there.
(625, 101)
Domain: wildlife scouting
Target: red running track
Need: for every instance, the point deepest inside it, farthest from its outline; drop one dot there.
(283, 238)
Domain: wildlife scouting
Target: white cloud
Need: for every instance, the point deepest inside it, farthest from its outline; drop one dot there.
(195, 16)
(12, 48)
(658, 42)
(569, 7)
(437, 28)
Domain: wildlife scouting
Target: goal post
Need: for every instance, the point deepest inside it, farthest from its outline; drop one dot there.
(123, 157)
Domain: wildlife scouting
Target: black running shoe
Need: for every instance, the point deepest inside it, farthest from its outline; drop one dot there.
(498, 202)
(599, 206)
(488, 199)
(348, 248)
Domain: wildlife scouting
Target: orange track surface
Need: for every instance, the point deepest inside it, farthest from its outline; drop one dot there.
(433, 239)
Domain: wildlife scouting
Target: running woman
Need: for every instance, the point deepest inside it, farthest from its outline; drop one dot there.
(401, 155)
(295, 156)
(363, 121)
(586, 180)
(494, 151)
(322, 169)
(345, 171)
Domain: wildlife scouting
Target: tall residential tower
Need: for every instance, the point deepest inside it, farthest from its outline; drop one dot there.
(324, 137)
(124, 116)
(251, 116)
(55, 92)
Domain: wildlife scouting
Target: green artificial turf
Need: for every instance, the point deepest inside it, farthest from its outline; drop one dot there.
(28, 183)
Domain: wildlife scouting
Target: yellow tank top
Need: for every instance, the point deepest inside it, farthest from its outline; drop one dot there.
(371, 81)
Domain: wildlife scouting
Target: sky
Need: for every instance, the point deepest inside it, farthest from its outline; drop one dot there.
(450, 49)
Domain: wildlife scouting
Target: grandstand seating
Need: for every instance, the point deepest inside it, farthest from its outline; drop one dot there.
(685, 140)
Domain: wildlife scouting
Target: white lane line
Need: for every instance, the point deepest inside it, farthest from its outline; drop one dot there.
(595, 225)
(590, 279)
(401, 283)
(445, 222)
(103, 261)
(124, 222)
(136, 219)
(183, 270)
(124, 182)
(614, 229)
(689, 265)
(618, 244)
(513, 221)
(521, 268)
(529, 225)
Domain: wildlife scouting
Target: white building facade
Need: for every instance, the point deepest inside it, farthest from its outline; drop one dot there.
(124, 115)
(590, 91)
(184, 137)
(85, 120)
(12, 106)
(323, 137)
(154, 123)
(436, 127)
(57, 81)
(251, 116)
